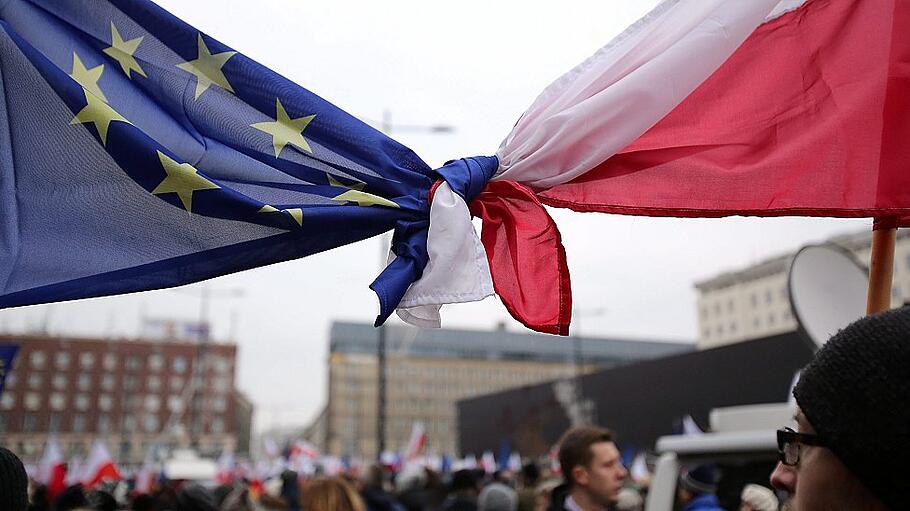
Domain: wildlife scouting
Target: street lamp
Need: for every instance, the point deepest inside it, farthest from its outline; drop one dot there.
(578, 356)
(388, 127)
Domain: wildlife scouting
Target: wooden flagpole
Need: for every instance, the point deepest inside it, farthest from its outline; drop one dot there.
(881, 268)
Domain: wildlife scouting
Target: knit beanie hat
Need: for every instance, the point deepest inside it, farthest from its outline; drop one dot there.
(701, 479)
(759, 497)
(497, 497)
(855, 393)
(13, 482)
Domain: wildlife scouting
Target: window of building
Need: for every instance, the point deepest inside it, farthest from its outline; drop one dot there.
(771, 319)
(29, 424)
(133, 363)
(218, 404)
(87, 360)
(150, 423)
(53, 423)
(768, 297)
(58, 401)
(107, 382)
(8, 400)
(35, 380)
(152, 403)
(174, 404)
(223, 365)
(716, 307)
(153, 383)
(129, 424)
(82, 402)
(62, 360)
(223, 385)
(32, 401)
(38, 359)
(176, 383)
(730, 305)
(895, 292)
(103, 424)
(754, 299)
(217, 425)
(110, 361)
(156, 361)
(179, 365)
(79, 423)
(756, 323)
(85, 382)
(784, 293)
(105, 402)
(720, 330)
(130, 383)
(59, 382)
(733, 327)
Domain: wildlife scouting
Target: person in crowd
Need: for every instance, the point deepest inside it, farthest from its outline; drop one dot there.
(497, 496)
(756, 497)
(331, 494)
(697, 489)
(528, 477)
(543, 494)
(411, 484)
(630, 499)
(373, 491)
(852, 444)
(194, 497)
(593, 471)
(462, 493)
(13, 482)
(290, 490)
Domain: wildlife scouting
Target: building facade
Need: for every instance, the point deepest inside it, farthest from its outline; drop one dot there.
(755, 302)
(130, 393)
(429, 371)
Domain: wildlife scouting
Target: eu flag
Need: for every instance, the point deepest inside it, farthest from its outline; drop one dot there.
(138, 153)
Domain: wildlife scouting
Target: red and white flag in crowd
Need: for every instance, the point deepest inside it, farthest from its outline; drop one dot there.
(74, 471)
(703, 108)
(488, 462)
(226, 470)
(147, 474)
(52, 467)
(416, 442)
(99, 466)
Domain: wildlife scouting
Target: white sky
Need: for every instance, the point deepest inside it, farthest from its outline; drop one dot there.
(475, 65)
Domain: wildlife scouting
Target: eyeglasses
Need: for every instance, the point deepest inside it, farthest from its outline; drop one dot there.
(788, 442)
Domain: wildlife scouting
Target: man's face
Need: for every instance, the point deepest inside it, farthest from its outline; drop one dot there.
(819, 480)
(603, 478)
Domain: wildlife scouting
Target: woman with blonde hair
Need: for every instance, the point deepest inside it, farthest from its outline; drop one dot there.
(330, 494)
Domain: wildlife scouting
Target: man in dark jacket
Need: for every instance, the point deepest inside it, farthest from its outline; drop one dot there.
(593, 470)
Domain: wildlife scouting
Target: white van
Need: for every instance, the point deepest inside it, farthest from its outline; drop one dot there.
(742, 443)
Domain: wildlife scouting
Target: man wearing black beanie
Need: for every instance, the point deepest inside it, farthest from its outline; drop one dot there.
(853, 441)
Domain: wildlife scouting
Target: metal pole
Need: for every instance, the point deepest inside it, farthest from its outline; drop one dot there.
(381, 389)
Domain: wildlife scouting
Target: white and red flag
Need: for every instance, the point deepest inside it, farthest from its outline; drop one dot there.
(226, 471)
(703, 108)
(99, 466)
(52, 468)
(147, 474)
(416, 442)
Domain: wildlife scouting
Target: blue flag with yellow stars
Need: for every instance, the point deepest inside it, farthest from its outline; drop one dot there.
(137, 153)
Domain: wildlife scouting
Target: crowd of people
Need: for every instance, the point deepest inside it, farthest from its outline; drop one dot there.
(849, 452)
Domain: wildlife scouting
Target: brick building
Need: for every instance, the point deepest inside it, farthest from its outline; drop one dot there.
(131, 393)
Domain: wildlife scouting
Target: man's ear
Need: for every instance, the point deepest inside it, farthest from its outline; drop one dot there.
(580, 475)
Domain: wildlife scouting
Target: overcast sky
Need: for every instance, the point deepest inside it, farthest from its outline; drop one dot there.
(475, 65)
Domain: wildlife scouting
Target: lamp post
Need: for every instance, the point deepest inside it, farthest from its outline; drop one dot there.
(578, 357)
(388, 127)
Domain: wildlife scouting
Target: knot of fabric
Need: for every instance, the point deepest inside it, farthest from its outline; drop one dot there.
(467, 177)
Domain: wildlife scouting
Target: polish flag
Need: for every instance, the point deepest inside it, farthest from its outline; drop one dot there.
(488, 462)
(100, 466)
(416, 442)
(226, 471)
(52, 468)
(703, 108)
(145, 478)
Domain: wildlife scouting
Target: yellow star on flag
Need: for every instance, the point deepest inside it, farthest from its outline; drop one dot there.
(285, 130)
(296, 213)
(87, 78)
(207, 68)
(98, 112)
(356, 194)
(123, 51)
(182, 179)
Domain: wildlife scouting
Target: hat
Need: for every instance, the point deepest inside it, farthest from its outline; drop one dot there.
(759, 498)
(701, 479)
(855, 392)
(497, 497)
(13, 482)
